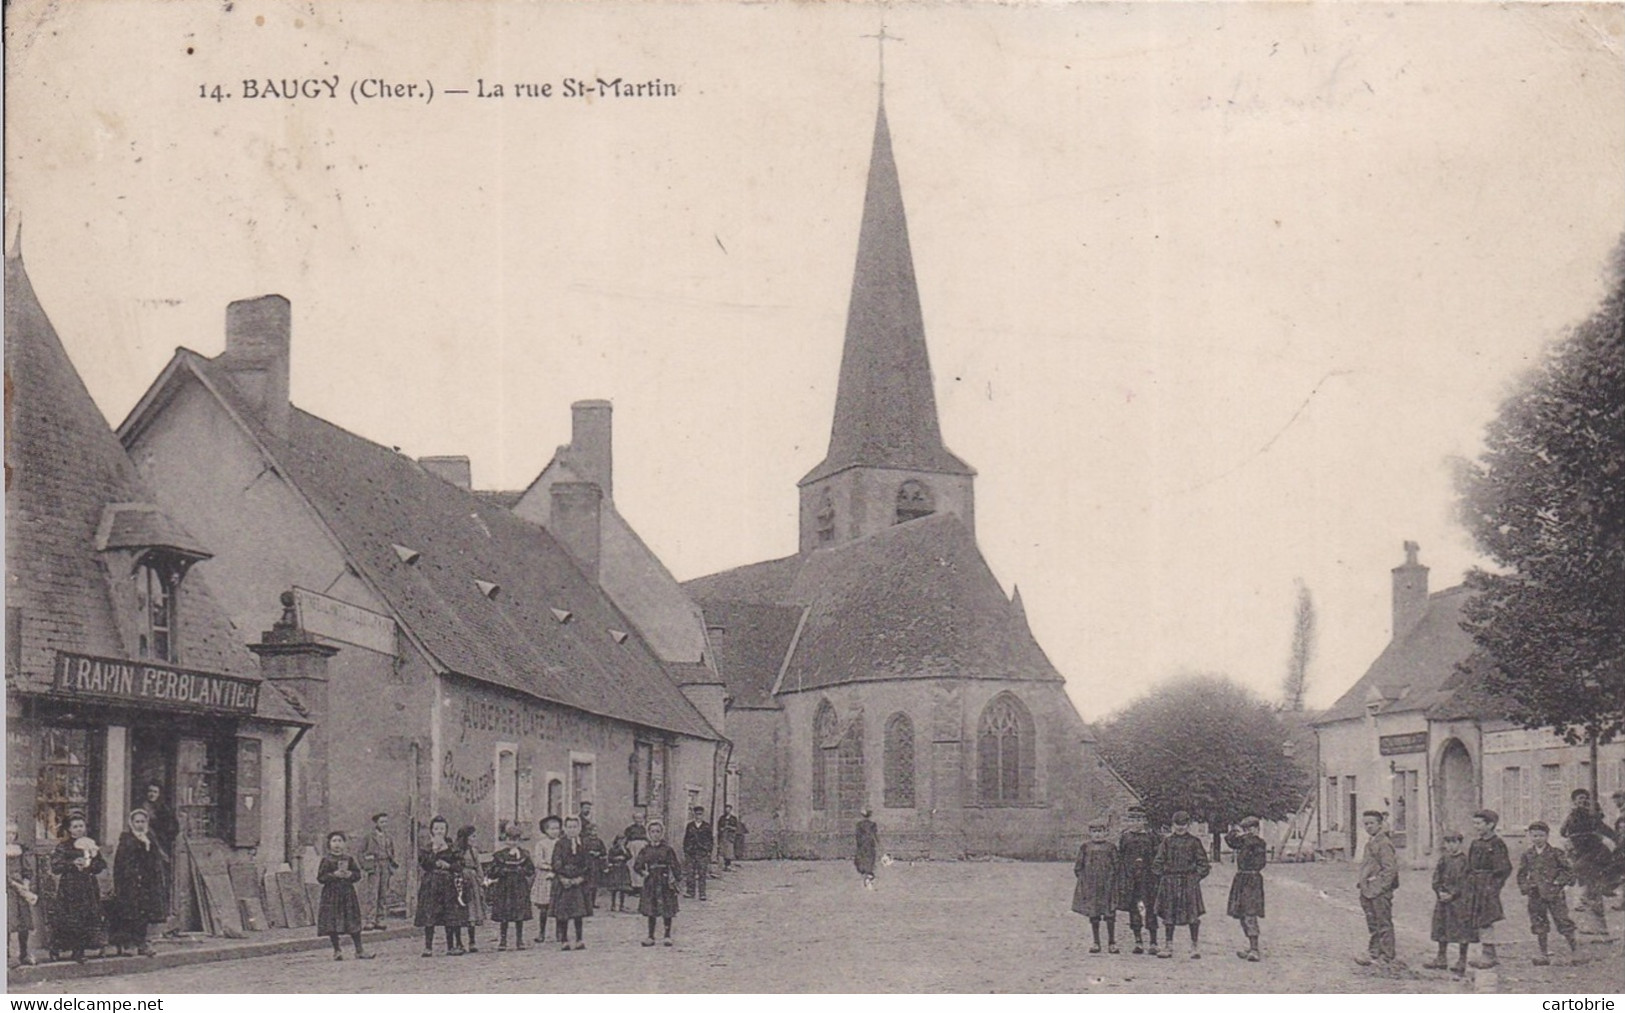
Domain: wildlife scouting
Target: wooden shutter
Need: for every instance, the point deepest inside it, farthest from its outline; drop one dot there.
(245, 831)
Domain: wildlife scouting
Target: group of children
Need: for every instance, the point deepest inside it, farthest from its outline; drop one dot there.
(1467, 888)
(1157, 880)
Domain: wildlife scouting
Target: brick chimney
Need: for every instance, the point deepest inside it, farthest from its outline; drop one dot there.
(575, 522)
(1410, 591)
(591, 446)
(454, 468)
(256, 357)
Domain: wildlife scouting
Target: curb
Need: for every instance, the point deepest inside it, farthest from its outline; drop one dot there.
(103, 967)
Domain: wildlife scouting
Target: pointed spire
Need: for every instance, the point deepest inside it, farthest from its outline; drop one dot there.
(885, 407)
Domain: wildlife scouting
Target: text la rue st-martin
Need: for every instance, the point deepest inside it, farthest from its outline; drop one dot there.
(373, 89)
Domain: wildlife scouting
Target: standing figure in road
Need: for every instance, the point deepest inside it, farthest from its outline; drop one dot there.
(1136, 884)
(1379, 878)
(598, 853)
(471, 884)
(658, 865)
(140, 886)
(1452, 910)
(1543, 872)
(867, 850)
(697, 848)
(1589, 838)
(510, 873)
(1246, 903)
(20, 895)
(728, 830)
(1488, 868)
(571, 867)
(77, 914)
(1180, 866)
(1096, 873)
(167, 828)
(439, 902)
(378, 863)
(617, 878)
(339, 912)
(541, 888)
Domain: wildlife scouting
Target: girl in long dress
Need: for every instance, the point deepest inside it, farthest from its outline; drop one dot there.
(339, 912)
(541, 888)
(472, 884)
(571, 867)
(76, 862)
(20, 895)
(438, 902)
(660, 868)
(140, 885)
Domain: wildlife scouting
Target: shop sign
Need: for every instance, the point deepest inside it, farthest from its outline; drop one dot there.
(1410, 742)
(115, 680)
(339, 620)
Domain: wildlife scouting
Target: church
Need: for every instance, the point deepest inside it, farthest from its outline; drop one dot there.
(882, 666)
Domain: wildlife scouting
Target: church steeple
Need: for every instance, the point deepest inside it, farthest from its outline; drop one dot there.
(885, 405)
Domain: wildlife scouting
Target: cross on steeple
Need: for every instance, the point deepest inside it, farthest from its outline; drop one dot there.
(881, 38)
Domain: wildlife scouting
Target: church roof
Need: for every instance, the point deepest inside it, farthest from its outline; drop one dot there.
(913, 601)
(1417, 671)
(885, 406)
(486, 594)
(750, 641)
(64, 471)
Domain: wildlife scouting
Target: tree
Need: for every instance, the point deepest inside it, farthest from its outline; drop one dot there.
(1546, 502)
(1296, 684)
(1208, 746)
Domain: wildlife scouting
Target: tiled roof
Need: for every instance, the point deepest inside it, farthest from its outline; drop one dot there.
(488, 595)
(1417, 671)
(750, 642)
(885, 406)
(145, 526)
(916, 600)
(64, 467)
(499, 497)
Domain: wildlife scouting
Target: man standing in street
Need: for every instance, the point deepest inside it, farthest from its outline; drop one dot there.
(697, 848)
(1379, 878)
(377, 859)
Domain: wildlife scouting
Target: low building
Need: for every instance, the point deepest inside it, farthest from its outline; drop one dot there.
(1418, 737)
(122, 668)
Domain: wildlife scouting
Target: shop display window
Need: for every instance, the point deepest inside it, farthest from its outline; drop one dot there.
(64, 785)
(204, 776)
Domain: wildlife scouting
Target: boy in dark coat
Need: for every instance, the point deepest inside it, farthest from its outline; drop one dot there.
(1543, 872)
(1180, 866)
(1246, 902)
(571, 867)
(510, 872)
(140, 886)
(339, 912)
(1096, 873)
(697, 848)
(1452, 912)
(657, 863)
(1488, 868)
(1136, 885)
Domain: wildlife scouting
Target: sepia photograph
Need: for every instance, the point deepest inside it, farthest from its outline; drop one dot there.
(656, 496)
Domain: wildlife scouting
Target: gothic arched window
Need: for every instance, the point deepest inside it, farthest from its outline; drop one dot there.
(826, 519)
(899, 762)
(914, 500)
(824, 728)
(1005, 748)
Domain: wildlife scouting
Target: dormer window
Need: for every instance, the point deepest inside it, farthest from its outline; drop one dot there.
(914, 500)
(826, 520)
(157, 579)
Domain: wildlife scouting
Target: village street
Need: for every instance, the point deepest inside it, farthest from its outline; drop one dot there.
(929, 927)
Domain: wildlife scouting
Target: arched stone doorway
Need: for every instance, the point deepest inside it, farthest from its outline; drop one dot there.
(1458, 788)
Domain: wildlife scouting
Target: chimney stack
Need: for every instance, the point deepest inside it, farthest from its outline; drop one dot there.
(256, 357)
(591, 446)
(575, 522)
(1410, 591)
(454, 468)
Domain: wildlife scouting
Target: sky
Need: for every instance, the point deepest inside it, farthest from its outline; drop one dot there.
(1213, 292)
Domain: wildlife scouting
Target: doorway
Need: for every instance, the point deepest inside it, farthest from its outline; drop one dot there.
(1458, 788)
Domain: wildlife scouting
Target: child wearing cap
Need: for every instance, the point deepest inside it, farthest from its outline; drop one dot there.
(1246, 903)
(1452, 910)
(1180, 866)
(1096, 872)
(1136, 885)
(1543, 872)
(1489, 865)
